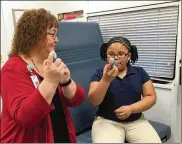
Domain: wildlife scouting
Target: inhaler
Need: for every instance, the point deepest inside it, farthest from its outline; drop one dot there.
(54, 56)
(113, 63)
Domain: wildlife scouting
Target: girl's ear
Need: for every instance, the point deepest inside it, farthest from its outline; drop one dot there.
(129, 56)
(103, 50)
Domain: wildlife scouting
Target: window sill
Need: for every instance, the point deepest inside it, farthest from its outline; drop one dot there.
(164, 86)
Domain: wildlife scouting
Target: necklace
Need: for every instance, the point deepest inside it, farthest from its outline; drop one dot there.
(36, 67)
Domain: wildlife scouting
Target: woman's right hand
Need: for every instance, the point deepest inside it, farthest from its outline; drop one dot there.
(109, 74)
(52, 70)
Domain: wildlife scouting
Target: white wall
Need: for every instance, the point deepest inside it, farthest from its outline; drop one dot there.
(4, 41)
(161, 110)
(68, 6)
(179, 116)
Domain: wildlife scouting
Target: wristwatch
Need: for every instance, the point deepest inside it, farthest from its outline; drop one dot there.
(65, 84)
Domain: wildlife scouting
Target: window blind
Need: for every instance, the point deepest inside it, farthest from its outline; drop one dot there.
(153, 31)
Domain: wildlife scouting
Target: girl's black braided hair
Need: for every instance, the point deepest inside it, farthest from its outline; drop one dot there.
(132, 48)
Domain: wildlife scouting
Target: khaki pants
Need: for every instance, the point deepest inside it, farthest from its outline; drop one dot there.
(139, 131)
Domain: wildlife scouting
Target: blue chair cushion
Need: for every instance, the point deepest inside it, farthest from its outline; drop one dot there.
(164, 132)
(85, 137)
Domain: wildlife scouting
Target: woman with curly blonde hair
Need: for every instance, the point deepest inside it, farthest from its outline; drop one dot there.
(36, 89)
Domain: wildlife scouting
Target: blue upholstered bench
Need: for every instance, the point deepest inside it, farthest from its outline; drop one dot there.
(79, 46)
(163, 130)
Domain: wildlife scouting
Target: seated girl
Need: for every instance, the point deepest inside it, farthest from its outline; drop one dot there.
(117, 89)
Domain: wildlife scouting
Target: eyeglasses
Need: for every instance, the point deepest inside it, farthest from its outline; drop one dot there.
(119, 55)
(53, 35)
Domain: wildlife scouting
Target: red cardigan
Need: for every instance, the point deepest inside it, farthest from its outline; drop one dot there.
(25, 113)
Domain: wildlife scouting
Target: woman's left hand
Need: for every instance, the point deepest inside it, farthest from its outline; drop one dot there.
(65, 72)
(66, 75)
(123, 112)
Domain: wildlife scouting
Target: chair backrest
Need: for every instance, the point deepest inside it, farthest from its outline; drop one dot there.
(79, 47)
